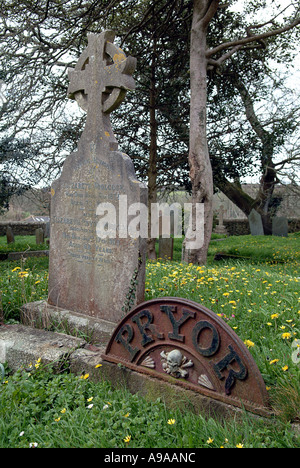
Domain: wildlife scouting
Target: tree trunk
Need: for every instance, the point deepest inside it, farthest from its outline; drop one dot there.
(246, 203)
(152, 171)
(199, 161)
(236, 194)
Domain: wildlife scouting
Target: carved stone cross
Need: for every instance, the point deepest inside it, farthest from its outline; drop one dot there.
(99, 82)
(221, 215)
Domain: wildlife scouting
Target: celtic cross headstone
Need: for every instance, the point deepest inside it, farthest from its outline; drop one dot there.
(96, 269)
(99, 82)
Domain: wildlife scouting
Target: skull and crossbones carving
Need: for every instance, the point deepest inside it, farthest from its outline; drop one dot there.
(174, 363)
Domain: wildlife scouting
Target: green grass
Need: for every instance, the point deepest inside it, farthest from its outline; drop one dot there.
(63, 411)
(21, 244)
(257, 296)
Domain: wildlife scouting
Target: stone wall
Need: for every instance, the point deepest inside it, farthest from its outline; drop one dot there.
(235, 227)
(240, 227)
(20, 228)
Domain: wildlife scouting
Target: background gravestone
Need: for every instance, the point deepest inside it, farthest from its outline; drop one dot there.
(165, 248)
(39, 236)
(221, 229)
(88, 274)
(280, 226)
(10, 238)
(255, 223)
(47, 230)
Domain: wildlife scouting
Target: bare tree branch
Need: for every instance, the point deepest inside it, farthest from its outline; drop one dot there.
(252, 38)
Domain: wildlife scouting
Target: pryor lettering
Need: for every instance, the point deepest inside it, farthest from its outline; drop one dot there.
(143, 325)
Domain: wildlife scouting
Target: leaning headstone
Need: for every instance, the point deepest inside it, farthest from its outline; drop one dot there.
(97, 263)
(185, 344)
(255, 223)
(39, 236)
(10, 238)
(280, 226)
(165, 248)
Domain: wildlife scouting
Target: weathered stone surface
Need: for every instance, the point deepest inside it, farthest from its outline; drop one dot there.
(256, 225)
(21, 345)
(89, 274)
(165, 248)
(42, 315)
(10, 235)
(280, 226)
(39, 236)
(221, 229)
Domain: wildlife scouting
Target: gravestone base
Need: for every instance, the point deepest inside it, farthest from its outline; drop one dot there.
(151, 388)
(221, 230)
(40, 314)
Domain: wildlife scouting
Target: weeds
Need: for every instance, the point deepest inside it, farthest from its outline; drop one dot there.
(45, 410)
(258, 298)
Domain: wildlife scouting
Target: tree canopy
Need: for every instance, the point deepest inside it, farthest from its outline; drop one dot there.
(39, 126)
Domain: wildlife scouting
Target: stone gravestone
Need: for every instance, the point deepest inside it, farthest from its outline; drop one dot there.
(47, 230)
(255, 223)
(185, 344)
(221, 229)
(165, 248)
(96, 268)
(280, 226)
(39, 236)
(10, 238)
(165, 241)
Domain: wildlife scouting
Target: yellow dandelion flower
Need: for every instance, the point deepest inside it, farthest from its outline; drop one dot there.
(127, 439)
(23, 274)
(274, 316)
(85, 376)
(171, 421)
(249, 343)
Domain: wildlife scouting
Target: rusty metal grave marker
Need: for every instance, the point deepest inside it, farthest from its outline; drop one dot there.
(186, 344)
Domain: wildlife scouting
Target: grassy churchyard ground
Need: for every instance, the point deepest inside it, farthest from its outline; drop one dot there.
(256, 293)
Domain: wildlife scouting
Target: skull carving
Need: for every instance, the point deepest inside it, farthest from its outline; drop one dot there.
(174, 363)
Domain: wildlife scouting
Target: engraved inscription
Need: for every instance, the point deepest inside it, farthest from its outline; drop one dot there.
(79, 231)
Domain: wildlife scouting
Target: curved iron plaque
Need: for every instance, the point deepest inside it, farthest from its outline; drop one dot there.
(184, 343)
